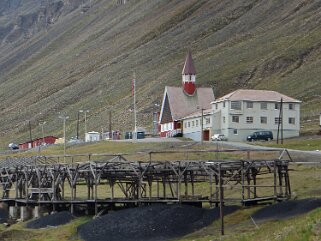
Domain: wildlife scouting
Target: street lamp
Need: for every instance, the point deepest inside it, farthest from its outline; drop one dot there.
(79, 111)
(64, 118)
(43, 136)
(155, 119)
(42, 132)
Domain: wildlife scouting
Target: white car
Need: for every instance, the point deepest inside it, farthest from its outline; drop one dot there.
(219, 137)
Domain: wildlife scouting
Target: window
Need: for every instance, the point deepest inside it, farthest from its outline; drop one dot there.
(193, 123)
(277, 106)
(189, 124)
(235, 119)
(223, 104)
(263, 106)
(216, 106)
(236, 105)
(249, 105)
(291, 106)
(292, 120)
(235, 132)
(277, 120)
(223, 119)
(263, 120)
(249, 119)
(207, 120)
(196, 123)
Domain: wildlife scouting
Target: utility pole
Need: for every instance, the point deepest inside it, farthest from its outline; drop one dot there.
(110, 127)
(43, 135)
(135, 111)
(42, 132)
(202, 125)
(64, 118)
(280, 123)
(86, 111)
(30, 133)
(281, 120)
(79, 111)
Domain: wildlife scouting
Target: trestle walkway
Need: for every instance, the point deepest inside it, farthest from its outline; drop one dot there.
(98, 181)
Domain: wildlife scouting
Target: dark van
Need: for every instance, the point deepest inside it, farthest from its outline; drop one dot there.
(261, 135)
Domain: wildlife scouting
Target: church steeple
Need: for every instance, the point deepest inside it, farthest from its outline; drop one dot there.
(189, 75)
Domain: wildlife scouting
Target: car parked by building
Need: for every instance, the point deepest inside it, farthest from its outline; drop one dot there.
(261, 135)
(219, 137)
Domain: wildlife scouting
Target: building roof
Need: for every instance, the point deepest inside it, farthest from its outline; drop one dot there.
(256, 95)
(189, 68)
(198, 113)
(182, 105)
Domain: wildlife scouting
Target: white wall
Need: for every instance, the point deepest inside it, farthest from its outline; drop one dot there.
(193, 131)
(244, 129)
(92, 136)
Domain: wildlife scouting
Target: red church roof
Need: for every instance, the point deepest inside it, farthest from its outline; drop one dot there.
(189, 68)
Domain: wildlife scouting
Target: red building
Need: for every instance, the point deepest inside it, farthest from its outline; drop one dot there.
(47, 140)
(179, 102)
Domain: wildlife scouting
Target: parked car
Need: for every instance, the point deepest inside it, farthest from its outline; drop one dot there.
(13, 146)
(261, 135)
(219, 137)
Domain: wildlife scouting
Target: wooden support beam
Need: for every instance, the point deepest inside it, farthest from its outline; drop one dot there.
(221, 199)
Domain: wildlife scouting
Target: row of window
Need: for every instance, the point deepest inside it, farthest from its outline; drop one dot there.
(196, 123)
(237, 105)
(263, 120)
(167, 127)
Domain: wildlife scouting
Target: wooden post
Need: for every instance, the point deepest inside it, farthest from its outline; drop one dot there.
(221, 199)
(275, 179)
(254, 181)
(186, 185)
(280, 179)
(211, 189)
(157, 187)
(248, 185)
(150, 183)
(95, 190)
(192, 181)
(164, 188)
(88, 189)
(243, 182)
(112, 189)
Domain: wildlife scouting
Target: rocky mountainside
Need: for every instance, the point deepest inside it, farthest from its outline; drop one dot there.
(67, 55)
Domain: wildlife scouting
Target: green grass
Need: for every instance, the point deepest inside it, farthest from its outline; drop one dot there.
(238, 226)
(304, 143)
(65, 232)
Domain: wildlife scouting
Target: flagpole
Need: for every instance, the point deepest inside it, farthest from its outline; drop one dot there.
(135, 116)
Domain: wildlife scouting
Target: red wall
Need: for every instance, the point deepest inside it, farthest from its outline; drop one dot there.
(38, 142)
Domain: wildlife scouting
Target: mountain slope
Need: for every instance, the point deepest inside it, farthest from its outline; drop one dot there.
(86, 60)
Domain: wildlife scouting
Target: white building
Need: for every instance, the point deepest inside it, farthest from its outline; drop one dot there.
(92, 136)
(193, 126)
(240, 113)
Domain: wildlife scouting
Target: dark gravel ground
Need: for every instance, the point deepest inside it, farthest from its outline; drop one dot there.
(149, 223)
(287, 209)
(55, 219)
(3, 215)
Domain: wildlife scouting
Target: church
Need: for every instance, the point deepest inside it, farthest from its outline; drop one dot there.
(180, 102)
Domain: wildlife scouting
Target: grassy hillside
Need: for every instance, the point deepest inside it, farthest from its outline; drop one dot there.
(86, 60)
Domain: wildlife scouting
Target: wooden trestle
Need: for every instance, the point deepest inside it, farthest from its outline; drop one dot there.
(108, 180)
